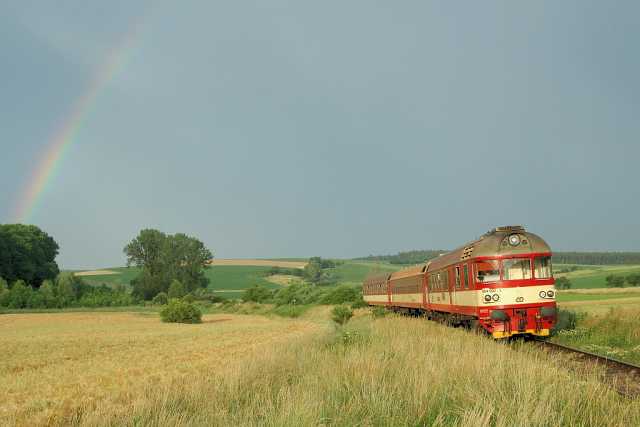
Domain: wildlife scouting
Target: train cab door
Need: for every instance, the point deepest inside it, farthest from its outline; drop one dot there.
(456, 284)
(451, 286)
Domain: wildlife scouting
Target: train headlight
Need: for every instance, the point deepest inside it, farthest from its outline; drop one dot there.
(514, 240)
(550, 294)
(487, 298)
(496, 297)
(542, 294)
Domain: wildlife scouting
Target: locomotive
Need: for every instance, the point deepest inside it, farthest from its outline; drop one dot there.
(501, 283)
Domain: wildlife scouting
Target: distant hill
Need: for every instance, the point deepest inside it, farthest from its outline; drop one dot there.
(584, 258)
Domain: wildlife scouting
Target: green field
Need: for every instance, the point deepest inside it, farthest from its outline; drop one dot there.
(231, 281)
(356, 271)
(593, 276)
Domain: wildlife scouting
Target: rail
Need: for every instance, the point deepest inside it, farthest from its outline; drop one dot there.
(623, 376)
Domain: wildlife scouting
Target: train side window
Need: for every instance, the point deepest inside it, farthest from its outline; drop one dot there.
(487, 271)
(543, 268)
(458, 283)
(465, 269)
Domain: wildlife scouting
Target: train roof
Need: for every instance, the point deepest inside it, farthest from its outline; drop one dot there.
(409, 272)
(495, 243)
(377, 278)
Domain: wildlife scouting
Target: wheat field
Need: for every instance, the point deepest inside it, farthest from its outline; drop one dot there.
(126, 369)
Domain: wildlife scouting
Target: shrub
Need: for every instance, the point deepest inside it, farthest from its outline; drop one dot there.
(257, 294)
(563, 283)
(359, 303)
(566, 320)
(160, 299)
(178, 311)
(378, 312)
(189, 298)
(341, 295)
(176, 289)
(341, 314)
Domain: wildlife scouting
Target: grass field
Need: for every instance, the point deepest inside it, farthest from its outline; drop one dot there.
(231, 280)
(356, 271)
(130, 369)
(594, 276)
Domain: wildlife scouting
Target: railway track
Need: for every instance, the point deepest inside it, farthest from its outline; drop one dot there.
(622, 376)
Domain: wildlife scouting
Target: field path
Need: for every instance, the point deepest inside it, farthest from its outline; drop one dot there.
(55, 362)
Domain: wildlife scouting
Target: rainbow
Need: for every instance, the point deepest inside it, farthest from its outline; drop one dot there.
(66, 133)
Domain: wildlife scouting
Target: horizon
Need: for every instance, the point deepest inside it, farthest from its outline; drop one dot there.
(278, 130)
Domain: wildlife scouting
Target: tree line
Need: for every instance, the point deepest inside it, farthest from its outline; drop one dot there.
(586, 258)
(66, 290)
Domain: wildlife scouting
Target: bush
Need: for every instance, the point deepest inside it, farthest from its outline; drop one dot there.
(189, 298)
(341, 314)
(341, 295)
(566, 321)
(160, 299)
(378, 312)
(178, 311)
(359, 303)
(257, 294)
(563, 283)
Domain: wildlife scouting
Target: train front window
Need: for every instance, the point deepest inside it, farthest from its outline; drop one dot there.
(543, 267)
(516, 269)
(487, 271)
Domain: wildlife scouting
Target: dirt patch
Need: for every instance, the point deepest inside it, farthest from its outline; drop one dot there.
(96, 273)
(259, 263)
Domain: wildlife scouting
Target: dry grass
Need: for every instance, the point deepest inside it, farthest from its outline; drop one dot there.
(259, 263)
(133, 370)
(283, 279)
(54, 364)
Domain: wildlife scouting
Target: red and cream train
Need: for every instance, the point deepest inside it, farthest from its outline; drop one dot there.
(501, 282)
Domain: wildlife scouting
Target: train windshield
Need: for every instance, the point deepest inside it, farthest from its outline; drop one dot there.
(516, 269)
(542, 267)
(487, 271)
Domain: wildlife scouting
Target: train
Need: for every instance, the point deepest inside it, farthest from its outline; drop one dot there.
(501, 283)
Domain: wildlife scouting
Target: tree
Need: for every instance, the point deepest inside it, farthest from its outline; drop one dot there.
(315, 274)
(176, 289)
(634, 279)
(27, 253)
(68, 287)
(614, 281)
(20, 295)
(4, 293)
(563, 283)
(47, 291)
(164, 258)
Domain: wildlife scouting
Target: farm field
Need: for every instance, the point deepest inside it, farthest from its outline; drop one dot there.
(63, 364)
(593, 276)
(130, 369)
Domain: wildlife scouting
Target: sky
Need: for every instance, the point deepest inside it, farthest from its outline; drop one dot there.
(337, 129)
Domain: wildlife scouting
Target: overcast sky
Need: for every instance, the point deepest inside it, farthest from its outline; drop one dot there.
(294, 128)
